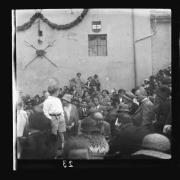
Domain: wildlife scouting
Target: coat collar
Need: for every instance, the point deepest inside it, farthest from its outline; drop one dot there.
(142, 103)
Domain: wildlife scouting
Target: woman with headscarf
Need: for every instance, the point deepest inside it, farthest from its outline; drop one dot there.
(97, 144)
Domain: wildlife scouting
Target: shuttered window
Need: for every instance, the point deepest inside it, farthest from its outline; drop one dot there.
(97, 45)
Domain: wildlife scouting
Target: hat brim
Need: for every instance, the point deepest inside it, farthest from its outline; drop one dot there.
(153, 153)
(90, 130)
(66, 100)
(123, 110)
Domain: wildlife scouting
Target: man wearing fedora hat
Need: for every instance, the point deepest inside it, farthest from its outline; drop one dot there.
(53, 110)
(154, 146)
(71, 116)
(130, 100)
(144, 115)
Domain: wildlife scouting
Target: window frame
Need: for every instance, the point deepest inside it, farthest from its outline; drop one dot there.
(98, 45)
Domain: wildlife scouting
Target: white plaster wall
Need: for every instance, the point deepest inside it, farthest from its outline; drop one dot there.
(161, 46)
(70, 50)
(143, 47)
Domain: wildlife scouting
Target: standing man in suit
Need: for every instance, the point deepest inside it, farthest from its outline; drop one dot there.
(163, 107)
(95, 82)
(144, 115)
(89, 84)
(83, 110)
(71, 116)
(121, 93)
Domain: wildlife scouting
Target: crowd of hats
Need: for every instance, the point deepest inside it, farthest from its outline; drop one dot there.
(163, 77)
(155, 145)
(29, 101)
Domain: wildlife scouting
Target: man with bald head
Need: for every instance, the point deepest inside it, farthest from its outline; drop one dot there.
(144, 115)
(104, 126)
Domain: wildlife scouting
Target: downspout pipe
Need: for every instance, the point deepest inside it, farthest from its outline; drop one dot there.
(150, 35)
(134, 49)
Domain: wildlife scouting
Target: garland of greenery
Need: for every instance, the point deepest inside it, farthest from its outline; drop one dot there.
(37, 15)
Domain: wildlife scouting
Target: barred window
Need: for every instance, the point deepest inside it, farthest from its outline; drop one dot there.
(97, 45)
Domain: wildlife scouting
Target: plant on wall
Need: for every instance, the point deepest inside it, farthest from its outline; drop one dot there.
(37, 15)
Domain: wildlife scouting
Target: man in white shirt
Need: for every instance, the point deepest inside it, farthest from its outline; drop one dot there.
(53, 109)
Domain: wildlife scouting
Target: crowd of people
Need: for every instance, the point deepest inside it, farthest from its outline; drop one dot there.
(84, 121)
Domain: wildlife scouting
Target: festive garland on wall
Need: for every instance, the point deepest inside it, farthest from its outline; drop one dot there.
(37, 15)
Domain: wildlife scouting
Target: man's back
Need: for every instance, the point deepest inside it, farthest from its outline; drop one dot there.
(162, 113)
(39, 121)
